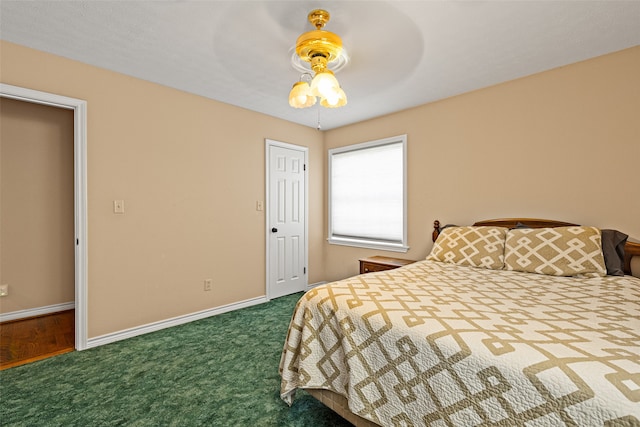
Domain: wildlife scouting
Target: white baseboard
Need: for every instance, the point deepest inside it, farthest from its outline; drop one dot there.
(168, 323)
(313, 285)
(38, 311)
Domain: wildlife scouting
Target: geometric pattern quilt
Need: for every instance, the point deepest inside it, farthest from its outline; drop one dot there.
(560, 251)
(438, 344)
(472, 246)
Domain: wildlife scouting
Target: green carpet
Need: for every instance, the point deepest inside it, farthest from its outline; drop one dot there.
(220, 371)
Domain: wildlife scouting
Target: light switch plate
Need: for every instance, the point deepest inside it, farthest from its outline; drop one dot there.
(118, 206)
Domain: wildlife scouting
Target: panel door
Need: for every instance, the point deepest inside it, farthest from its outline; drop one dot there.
(287, 243)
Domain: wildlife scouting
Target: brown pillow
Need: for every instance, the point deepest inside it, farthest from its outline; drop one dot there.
(613, 242)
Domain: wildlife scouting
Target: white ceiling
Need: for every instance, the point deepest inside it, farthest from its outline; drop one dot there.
(402, 53)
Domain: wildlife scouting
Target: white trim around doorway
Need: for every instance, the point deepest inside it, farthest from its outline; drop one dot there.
(79, 108)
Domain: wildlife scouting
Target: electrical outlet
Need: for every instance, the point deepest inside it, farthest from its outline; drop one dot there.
(207, 284)
(4, 290)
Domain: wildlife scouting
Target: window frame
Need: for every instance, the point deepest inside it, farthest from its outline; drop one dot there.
(365, 242)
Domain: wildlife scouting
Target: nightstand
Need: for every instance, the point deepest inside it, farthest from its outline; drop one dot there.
(382, 263)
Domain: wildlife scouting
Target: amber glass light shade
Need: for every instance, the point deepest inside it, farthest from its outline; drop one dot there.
(335, 99)
(324, 84)
(300, 96)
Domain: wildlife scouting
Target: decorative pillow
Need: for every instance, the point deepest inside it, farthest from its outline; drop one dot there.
(471, 246)
(613, 242)
(558, 251)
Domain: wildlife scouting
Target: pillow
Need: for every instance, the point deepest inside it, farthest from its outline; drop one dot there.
(558, 251)
(472, 246)
(613, 242)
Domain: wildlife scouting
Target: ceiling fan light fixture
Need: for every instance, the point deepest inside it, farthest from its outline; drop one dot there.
(319, 47)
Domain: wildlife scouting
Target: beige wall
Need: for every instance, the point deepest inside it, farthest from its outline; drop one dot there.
(190, 171)
(563, 144)
(36, 209)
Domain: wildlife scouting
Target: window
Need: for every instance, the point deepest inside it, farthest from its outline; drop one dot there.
(367, 195)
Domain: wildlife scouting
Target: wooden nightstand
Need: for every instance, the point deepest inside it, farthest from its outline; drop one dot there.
(381, 263)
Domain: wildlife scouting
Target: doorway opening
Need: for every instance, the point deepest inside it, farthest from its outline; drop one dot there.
(79, 108)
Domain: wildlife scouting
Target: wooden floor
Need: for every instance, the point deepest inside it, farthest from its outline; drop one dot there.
(35, 338)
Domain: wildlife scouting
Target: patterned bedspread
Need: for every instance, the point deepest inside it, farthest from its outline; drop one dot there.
(439, 344)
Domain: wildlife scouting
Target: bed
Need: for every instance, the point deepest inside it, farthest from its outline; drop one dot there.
(496, 327)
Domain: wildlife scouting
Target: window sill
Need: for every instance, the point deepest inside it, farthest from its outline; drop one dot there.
(392, 247)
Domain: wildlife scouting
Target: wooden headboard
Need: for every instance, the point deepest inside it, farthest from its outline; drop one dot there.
(631, 249)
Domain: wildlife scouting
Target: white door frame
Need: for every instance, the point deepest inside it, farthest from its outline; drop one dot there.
(271, 143)
(79, 108)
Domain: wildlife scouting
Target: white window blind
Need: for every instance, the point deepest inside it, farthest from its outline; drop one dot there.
(367, 194)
